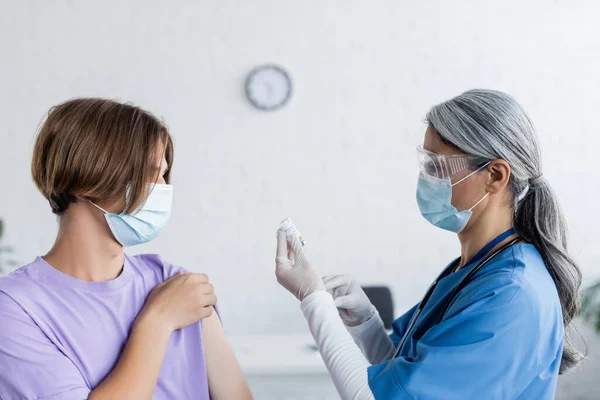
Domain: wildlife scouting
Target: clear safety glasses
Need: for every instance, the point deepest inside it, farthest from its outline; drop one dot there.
(446, 166)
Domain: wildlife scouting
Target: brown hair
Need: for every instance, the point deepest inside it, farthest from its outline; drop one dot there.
(96, 149)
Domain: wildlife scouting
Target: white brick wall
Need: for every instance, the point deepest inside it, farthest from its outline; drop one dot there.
(339, 158)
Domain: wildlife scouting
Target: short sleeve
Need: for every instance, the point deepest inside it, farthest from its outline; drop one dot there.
(169, 270)
(486, 348)
(31, 366)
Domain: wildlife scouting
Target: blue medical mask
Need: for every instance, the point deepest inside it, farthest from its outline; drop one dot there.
(434, 196)
(146, 223)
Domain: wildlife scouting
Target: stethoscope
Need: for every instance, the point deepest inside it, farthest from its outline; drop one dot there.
(450, 269)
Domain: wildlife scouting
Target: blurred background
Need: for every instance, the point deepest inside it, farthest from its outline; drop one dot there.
(339, 157)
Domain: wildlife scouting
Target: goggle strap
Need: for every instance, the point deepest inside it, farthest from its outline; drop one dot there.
(472, 173)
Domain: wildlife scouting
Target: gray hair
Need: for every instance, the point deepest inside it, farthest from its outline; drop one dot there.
(493, 125)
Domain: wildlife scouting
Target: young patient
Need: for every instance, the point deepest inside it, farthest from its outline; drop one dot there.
(86, 320)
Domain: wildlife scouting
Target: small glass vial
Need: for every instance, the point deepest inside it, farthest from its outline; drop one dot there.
(288, 227)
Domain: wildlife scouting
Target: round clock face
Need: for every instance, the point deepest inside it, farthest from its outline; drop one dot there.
(268, 87)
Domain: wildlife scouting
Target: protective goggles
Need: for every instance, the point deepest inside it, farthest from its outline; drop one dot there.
(447, 166)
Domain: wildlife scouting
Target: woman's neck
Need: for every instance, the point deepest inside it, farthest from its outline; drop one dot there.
(485, 229)
(85, 248)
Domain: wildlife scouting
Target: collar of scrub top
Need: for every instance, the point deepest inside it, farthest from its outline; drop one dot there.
(451, 269)
(488, 247)
(476, 258)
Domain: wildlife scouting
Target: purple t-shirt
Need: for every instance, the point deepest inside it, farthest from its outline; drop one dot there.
(61, 336)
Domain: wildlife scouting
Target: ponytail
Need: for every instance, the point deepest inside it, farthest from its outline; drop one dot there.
(539, 220)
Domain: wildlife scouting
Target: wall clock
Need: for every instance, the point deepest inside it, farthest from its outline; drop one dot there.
(268, 87)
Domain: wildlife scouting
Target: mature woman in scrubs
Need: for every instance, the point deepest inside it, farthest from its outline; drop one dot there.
(495, 331)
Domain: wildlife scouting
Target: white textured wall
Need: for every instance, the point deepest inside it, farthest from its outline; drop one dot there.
(339, 158)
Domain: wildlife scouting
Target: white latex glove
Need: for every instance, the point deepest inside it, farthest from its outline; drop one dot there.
(293, 270)
(353, 305)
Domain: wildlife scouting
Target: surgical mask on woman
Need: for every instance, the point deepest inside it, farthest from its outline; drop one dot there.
(434, 189)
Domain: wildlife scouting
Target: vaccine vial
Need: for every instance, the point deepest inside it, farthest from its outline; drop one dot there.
(288, 227)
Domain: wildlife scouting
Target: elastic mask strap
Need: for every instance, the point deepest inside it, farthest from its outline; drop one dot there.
(98, 207)
(472, 173)
(476, 204)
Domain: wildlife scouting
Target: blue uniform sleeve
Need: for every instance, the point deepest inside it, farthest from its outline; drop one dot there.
(485, 348)
(400, 325)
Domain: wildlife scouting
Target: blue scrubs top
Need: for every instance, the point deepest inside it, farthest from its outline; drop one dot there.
(501, 338)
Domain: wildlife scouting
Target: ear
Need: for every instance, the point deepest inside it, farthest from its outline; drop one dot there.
(499, 176)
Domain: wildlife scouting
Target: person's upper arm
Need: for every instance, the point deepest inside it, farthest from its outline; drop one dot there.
(225, 377)
(31, 366)
(400, 325)
(486, 348)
